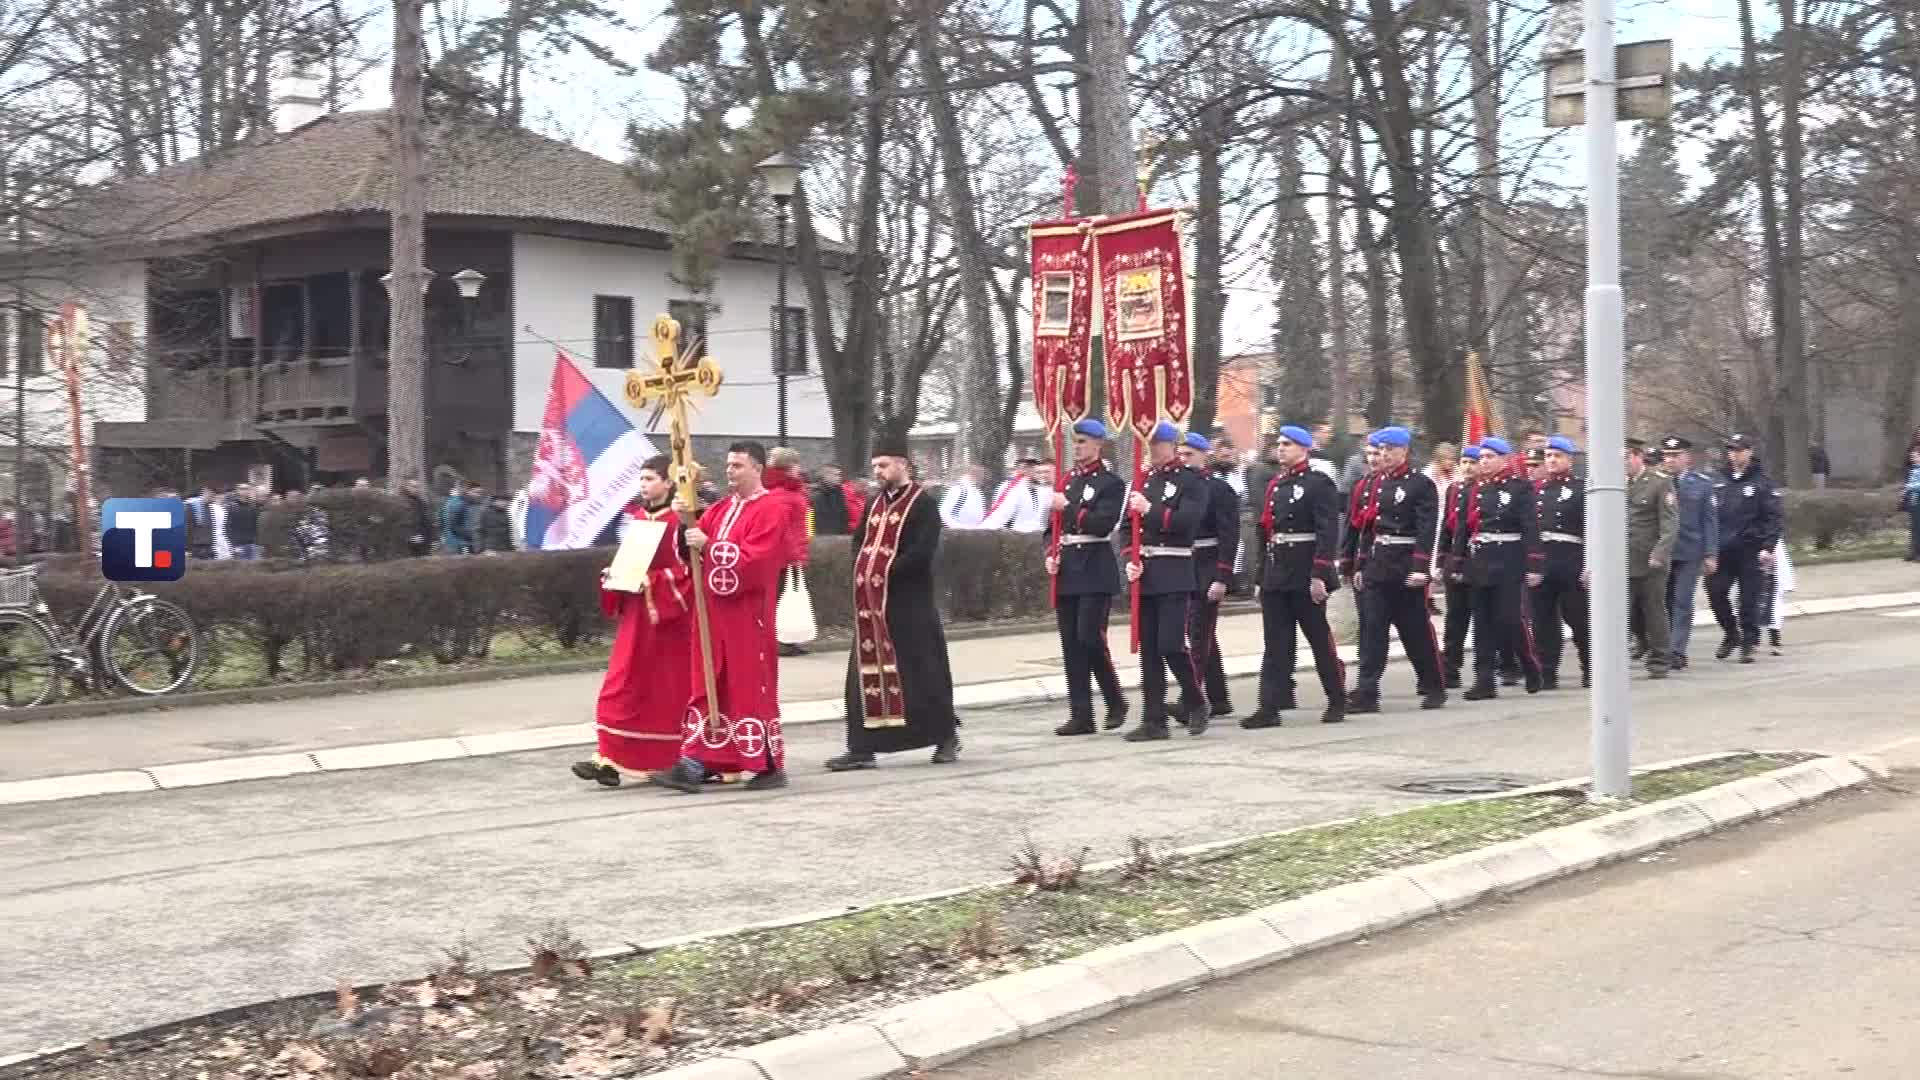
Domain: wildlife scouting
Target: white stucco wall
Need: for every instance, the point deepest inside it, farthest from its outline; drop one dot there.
(111, 293)
(554, 282)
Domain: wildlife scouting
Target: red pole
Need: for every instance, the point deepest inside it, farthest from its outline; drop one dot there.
(1139, 485)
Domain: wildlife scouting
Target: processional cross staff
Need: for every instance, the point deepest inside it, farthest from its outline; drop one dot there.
(676, 376)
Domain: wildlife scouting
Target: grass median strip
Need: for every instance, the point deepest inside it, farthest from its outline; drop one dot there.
(569, 1017)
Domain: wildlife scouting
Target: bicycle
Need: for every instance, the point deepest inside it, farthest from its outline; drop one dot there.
(147, 645)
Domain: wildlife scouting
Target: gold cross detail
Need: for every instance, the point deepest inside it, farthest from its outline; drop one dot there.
(676, 376)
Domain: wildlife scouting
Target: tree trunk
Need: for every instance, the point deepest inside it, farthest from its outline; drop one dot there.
(1793, 322)
(1766, 178)
(1490, 288)
(1379, 327)
(406, 326)
(1107, 162)
(1338, 331)
(978, 440)
(1411, 221)
(1209, 301)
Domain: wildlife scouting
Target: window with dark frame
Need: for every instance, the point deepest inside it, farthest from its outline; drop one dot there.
(692, 317)
(796, 334)
(30, 340)
(613, 331)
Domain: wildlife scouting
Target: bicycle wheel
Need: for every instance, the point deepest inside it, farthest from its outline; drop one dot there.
(29, 662)
(151, 647)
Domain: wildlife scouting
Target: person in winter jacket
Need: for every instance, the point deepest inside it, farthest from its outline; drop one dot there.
(789, 488)
(1910, 501)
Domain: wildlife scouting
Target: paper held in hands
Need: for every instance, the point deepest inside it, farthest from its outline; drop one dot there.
(631, 561)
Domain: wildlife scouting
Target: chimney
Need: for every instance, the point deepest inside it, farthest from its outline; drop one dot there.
(300, 101)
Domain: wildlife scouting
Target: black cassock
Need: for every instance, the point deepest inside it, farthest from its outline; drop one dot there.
(899, 683)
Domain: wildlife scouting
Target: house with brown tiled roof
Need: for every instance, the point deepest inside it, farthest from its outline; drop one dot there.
(245, 296)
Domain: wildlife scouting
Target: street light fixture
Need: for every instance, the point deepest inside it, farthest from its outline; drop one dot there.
(782, 176)
(426, 279)
(469, 282)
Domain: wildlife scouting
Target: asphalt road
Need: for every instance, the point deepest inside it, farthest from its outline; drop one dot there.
(123, 911)
(1782, 950)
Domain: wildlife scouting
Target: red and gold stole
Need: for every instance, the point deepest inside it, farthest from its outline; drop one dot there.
(883, 700)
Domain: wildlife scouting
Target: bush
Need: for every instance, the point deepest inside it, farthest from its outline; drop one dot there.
(363, 525)
(1824, 518)
(979, 576)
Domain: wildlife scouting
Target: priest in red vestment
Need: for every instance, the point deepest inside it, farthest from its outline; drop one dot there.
(743, 541)
(644, 695)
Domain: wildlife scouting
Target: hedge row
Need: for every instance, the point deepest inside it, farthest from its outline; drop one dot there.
(316, 619)
(1825, 518)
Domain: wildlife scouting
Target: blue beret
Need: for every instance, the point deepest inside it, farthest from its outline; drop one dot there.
(1091, 428)
(1393, 436)
(1562, 444)
(1197, 441)
(1165, 432)
(1471, 453)
(1298, 436)
(1495, 445)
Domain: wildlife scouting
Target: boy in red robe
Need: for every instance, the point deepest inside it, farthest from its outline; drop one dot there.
(649, 676)
(744, 544)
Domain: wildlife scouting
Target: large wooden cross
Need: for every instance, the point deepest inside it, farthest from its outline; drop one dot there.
(678, 375)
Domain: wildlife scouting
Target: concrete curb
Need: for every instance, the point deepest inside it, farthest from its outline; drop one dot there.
(947, 1027)
(1001, 693)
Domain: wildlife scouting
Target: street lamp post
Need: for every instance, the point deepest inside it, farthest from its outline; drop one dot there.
(782, 174)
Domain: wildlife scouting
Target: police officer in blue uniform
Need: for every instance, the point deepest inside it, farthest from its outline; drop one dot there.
(1087, 575)
(1561, 596)
(1300, 529)
(1397, 513)
(1170, 511)
(1750, 525)
(1214, 549)
(1697, 549)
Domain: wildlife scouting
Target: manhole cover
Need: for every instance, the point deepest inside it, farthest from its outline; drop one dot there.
(1475, 784)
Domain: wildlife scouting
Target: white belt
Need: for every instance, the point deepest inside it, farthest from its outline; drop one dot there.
(1396, 541)
(1207, 541)
(1295, 538)
(1561, 538)
(1076, 539)
(1167, 552)
(1497, 538)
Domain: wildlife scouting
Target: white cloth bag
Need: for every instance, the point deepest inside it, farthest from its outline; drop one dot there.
(793, 613)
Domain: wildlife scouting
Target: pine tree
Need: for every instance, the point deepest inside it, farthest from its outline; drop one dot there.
(1305, 376)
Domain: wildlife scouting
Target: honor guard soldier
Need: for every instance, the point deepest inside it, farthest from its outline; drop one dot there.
(1168, 513)
(1398, 519)
(1653, 522)
(1750, 525)
(1214, 550)
(1359, 509)
(1300, 530)
(1087, 577)
(1453, 568)
(1561, 596)
(1501, 544)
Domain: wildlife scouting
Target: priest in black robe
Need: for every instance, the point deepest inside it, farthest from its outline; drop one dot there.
(899, 683)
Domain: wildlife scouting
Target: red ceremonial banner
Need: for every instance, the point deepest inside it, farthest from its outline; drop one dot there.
(1062, 319)
(1144, 302)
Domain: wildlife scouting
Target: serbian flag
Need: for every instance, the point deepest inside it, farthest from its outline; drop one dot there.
(587, 466)
(1478, 422)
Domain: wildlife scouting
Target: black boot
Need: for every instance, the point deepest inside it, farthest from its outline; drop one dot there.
(1727, 645)
(1336, 713)
(1636, 650)
(1535, 682)
(1116, 717)
(1550, 680)
(1198, 718)
(1260, 719)
(1481, 691)
(1221, 708)
(1433, 699)
(948, 752)
(1453, 680)
(1363, 700)
(851, 762)
(768, 781)
(1773, 640)
(1148, 731)
(684, 777)
(1075, 727)
(1746, 654)
(587, 770)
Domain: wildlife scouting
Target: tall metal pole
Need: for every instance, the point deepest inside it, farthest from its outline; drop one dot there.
(406, 323)
(20, 380)
(780, 314)
(1606, 418)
